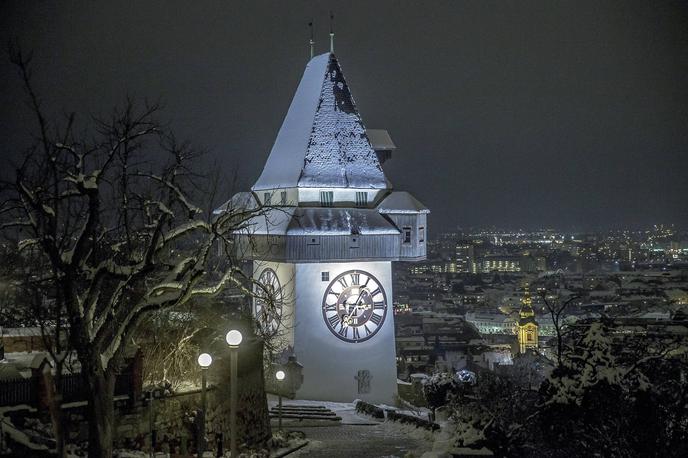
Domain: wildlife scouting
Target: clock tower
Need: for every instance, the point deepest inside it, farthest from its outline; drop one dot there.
(322, 250)
(527, 326)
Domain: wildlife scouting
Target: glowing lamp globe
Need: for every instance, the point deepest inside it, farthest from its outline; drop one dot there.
(234, 338)
(205, 360)
(279, 375)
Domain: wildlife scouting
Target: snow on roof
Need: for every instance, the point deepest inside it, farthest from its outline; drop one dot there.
(401, 202)
(320, 221)
(322, 141)
(339, 221)
(241, 200)
(273, 221)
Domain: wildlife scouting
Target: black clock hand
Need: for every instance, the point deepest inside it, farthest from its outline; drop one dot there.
(355, 306)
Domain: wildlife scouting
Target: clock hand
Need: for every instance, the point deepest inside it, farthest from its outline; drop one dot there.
(354, 308)
(357, 306)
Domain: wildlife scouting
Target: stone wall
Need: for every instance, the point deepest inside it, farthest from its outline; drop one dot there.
(174, 423)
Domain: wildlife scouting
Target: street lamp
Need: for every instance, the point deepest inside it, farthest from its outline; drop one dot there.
(234, 338)
(279, 375)
(204, 360)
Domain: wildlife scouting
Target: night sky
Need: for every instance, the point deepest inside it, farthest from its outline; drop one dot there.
(571, 115)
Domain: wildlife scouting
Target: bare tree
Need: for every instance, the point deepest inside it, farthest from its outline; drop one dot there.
(556, 310)
(111, 214)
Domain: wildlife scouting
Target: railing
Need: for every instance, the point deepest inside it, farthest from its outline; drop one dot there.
(17, 391)
(71, 388)
(26, 391)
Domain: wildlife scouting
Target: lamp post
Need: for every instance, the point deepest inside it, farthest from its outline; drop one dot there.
(150, 422)
(204, 360)
(279, 375)
(234, 338)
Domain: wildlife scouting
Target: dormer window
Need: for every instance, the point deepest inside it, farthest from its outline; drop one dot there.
(326, 198)
(361, 199)
(407, 234)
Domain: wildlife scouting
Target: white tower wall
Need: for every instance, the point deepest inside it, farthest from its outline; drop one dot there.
(330, 365)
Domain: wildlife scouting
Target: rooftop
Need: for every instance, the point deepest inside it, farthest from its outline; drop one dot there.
(322, 141)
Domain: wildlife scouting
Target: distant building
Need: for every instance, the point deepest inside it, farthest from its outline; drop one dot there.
(465, 257)
(527, 326)
(499, 263)
(491, 323)
(510, 263)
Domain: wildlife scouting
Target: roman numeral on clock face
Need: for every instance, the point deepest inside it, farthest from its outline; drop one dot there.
(331, 308)
(375, 318)
(359, 306)
(334, 320)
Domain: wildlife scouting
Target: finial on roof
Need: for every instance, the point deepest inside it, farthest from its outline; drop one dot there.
(312, 42)
(331, 32)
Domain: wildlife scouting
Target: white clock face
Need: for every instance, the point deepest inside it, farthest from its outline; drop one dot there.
(267, 303)
(354, 306)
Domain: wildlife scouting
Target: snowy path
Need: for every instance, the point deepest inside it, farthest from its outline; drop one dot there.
(357, 435)
(369, 441)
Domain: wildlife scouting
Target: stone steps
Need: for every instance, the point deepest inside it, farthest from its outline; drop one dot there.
(302, 407)
(298, 412)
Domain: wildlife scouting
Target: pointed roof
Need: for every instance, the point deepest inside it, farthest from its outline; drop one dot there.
(322, 141)
(526, 314)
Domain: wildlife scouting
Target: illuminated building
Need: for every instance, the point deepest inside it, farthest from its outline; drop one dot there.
(499, 263)
(527, 326)
(465, 257)
(324, 248)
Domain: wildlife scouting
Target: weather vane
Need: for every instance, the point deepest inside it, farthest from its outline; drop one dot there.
(331, 32)
(312, 42)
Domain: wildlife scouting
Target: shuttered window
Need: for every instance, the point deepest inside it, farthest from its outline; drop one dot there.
(326, 198)
(407, 235)
(361, 199)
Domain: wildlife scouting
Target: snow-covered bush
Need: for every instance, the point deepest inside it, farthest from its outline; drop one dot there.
(439, 388)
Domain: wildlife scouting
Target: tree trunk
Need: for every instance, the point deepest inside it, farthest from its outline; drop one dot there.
(101, 388)
(54, 385)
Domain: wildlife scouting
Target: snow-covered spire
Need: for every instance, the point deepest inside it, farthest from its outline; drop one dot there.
(322, 142)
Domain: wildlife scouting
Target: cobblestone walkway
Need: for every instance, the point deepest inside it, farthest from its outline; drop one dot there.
(366, 441)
